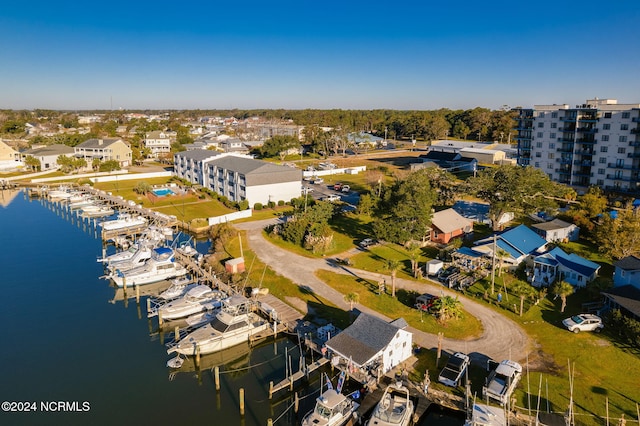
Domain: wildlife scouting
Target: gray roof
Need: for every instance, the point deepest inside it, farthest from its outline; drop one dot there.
(366, 337)
(57, 149)
(554, 224)
(98, 143)
(629, 263)
(627, 296)
(449, 220)
(257, 172)
(198, 154)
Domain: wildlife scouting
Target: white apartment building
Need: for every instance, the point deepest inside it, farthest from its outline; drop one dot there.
(596, 143)
(239, 177)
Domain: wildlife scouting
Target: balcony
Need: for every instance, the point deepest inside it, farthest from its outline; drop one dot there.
(568, 119)
(633, 155)
(634, 143)
(636, 119)
(564, 149)
(566, 140)
(586, 153)
(569, 129)
(620, 166)
(583, 173)
(620, 178)
(563, 171)
(588, 129)
(635, 130)
(590, 141)
(584, 163)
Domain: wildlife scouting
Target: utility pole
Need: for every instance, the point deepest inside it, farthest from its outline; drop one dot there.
(493, 265)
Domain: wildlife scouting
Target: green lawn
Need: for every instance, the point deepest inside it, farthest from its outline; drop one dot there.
(466, 327)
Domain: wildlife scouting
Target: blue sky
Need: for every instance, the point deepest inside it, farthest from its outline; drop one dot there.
(322, 54)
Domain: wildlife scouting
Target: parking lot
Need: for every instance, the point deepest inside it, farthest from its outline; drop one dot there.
(320, 191)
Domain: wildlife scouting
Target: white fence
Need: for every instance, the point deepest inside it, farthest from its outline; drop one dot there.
(230, 217)
(112, 178)
(345, 170)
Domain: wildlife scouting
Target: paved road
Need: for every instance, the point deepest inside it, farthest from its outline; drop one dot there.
(501, 339)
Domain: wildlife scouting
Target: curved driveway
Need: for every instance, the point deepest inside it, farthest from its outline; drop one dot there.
(501, 338)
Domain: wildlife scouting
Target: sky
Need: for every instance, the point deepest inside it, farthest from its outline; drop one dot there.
(406, 55)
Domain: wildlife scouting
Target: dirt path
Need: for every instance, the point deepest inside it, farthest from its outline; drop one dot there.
(501, 339)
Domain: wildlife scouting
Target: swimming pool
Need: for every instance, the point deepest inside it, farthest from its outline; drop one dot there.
(162, 192)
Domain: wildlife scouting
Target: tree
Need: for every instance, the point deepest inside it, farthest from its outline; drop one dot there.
(351, 299)
(562, 289)
(516, 189)
(95, 164)
(278, 145)
(619, 237)
(142, 188)
(404, 213)
(524, 290)
(109, 166)
(365, 205)
(32, 162)
(446, 308)
(414, 255)
(392, 266)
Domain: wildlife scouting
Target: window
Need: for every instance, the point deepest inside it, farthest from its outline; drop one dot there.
(552, 135)
(602, 160)
(622, 139)
(604, 138)
(600, 182)
(538, 144)
(607, 115)
(551, 156)
(601, 171)
(604, 148)
(554, 125)
(536, 165)
(626, 114)
(606, 126)
(538, 155)
(624, 126)
(539, 135)
(622, 150)
(550, 166)
(541, 115)
(541, 124)
(552, 145)
(554, 115)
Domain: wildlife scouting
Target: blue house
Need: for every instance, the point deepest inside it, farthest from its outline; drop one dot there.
(627, 272)
(556, 264)
(513, 246)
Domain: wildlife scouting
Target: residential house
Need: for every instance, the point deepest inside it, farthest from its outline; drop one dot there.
(452, 161)
(557, 230)
(556, 264)
(158, 142)
(512, 246)
(7, 153)
(104, 150)
(448, 224)
(627, 272)
(370, 347)
(239, 177)
(48, 155)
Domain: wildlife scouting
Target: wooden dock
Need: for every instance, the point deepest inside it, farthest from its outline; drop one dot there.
(283, 313)
(289, 381)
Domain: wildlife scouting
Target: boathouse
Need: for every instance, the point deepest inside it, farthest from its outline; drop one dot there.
(370, 347)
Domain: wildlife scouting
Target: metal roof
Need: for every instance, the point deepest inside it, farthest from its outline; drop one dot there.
(449, 220)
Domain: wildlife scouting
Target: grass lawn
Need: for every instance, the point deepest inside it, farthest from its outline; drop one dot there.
(467, 327)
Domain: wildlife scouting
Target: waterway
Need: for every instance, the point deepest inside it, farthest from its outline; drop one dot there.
(73, 353)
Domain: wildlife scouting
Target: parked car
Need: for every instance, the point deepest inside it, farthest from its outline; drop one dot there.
(317, 181)
(502, 381)
(345, 188)
(367, 242)
(456, 366)
(425, 302)
(583, 322)
(331, 198)
(337, 186)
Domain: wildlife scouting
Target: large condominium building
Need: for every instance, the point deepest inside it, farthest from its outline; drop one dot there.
(596, 143)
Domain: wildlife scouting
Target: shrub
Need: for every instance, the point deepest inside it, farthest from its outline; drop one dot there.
(243, 205)
(271, 204)
(280, 203)
(257, 206)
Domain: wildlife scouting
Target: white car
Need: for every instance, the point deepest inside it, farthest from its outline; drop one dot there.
(583, 322)
(331, 198)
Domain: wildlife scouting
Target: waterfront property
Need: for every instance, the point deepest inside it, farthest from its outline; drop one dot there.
(48, 155)
(238, 177)
(104, 150)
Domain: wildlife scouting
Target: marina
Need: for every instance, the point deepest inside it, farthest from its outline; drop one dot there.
(272, 379)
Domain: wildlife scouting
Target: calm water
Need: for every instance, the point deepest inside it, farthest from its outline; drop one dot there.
(64, 341)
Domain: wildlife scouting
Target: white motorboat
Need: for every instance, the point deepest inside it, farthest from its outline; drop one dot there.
(161, 266)
(178, 288)
(394, 409)
(123, 221)
(332, 409)
(96, 211)
(129, 259)
(232, 325)
(486, 415)
(198, 299)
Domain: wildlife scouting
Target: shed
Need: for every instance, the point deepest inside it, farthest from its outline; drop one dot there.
(234, 266)
(434, 266)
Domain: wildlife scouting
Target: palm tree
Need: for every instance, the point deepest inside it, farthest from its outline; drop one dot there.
(447, 307)
(414, 255)
(392, 266)
(562, 289)
(351, 299)
(501, 255)
(524, 290)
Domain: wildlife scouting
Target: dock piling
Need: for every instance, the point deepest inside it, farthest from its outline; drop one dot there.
(270, 389)
(216, 375)
(296, 403)
(241, 401)
(176, 332)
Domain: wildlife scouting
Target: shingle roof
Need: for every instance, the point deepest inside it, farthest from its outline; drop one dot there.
(366, 337)
(449, 220)
(441, 156)
(554, 224)
(98, 143)
(629, 263)
(627, 296)
(57, 149)
(258, 172)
